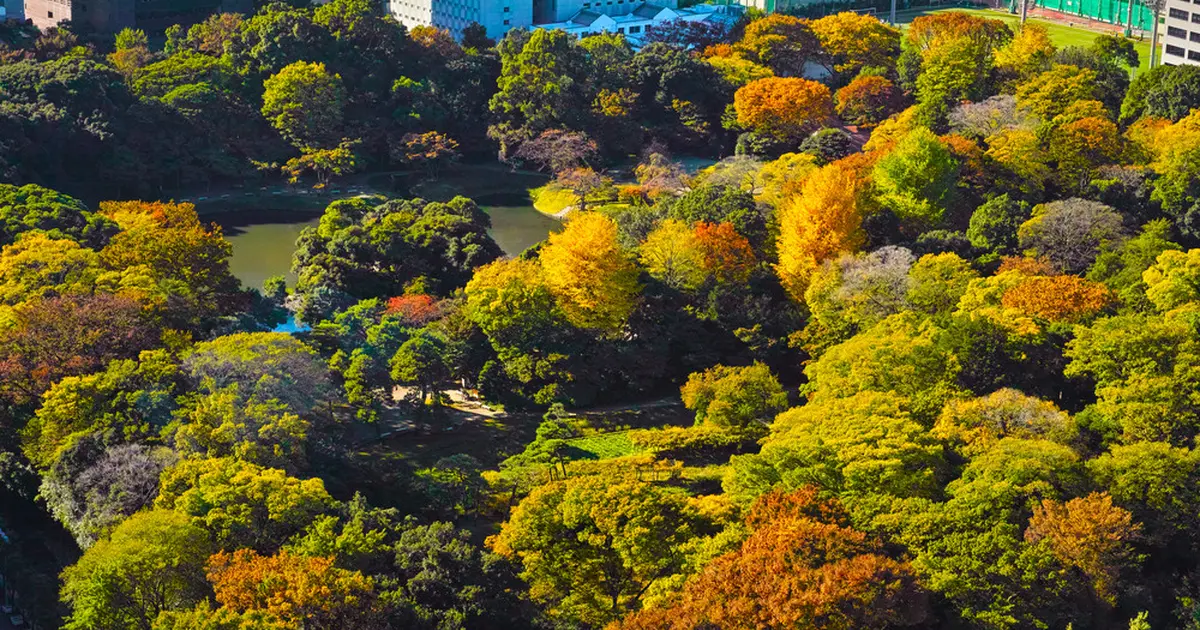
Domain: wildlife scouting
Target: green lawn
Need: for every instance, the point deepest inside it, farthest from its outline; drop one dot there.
(603, 446)
(1061, 34)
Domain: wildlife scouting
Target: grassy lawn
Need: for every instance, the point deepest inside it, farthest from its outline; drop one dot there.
(603, 446)
(551, 200)
(1061, 34)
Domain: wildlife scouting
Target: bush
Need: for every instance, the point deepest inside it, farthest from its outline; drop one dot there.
(704, 442)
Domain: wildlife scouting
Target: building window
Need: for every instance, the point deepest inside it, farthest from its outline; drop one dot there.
(49, 14)
(1194, 36)
(506, 22)
(635, 29)
(621, 29)
(1194, 55)
(1176, 32)
(1177, 14)
(1196, 18)
(506, 9)
(1174, 50)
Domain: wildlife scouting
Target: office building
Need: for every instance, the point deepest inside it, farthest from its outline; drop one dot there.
(1181, 39)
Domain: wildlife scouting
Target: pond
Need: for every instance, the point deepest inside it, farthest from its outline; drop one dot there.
(263, 239)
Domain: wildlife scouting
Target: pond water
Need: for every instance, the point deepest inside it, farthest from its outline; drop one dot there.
(263, 240)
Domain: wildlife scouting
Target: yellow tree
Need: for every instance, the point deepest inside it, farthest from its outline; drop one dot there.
(787, 107)
(1029, 52)
(595, 283)
(822, 223)
(1048, 94)
(672, 253)
(854, 40)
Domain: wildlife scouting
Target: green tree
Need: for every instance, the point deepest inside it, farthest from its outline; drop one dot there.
(242, 504)
(916, 180)
(420, 361)
(306, 103)
(151, 563)
(590, 546)
(734, 397)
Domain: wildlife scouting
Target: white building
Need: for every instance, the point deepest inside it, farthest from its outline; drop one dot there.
(581, 17)
(497, 16)
(1181, 42)
(640, 20)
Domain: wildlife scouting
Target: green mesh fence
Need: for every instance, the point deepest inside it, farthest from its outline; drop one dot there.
(1110, 11)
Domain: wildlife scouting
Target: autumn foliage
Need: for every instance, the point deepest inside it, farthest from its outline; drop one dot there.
(1089, 534)
(821, 223)
(787, 107)
(1058, 298)
(414, 310)
(868, 100)
(795, 571)
(595, 282)
(301, 589)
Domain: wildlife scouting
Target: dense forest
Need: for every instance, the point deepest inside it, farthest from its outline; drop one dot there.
(920, 349)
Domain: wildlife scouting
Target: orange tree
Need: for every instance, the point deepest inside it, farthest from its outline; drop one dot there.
(785, 107)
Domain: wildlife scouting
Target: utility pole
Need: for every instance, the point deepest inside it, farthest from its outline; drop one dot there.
(892, 17)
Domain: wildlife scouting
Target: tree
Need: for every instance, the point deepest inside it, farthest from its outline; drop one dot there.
(795, 570)
(994, 224)
(222, 424)
(374, 248)
(151, 563)
(263, 367)
(1029, 52)
(1058, 298)
(448, 580)
(717, 203)
(301, 590)
(66, 336)
(734, 397)
(431, 150)
(787, 107)
(1081, 146)
(916, 180)
(591, 547)
(420, 361)
(854, 41)
(783, 43)
(900, 355)
(1174, 279)
(1089, 534)
(823, 222)
(1143, 367)
(558, 150)
(1048, 94)
(975, 425)
(1167, 91)
(242, 504)
(868, 100)
(1072, 233)
(324, 163)
(122, 481)
(538, 88)
(170, 239)
(857, 291)
(672, 253)
(595, 282)
(728, 256)
(305, 102)
(32, 207)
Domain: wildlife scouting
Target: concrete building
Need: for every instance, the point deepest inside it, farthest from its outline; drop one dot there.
(1181, 41)
(103, 16)
(497, 16)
